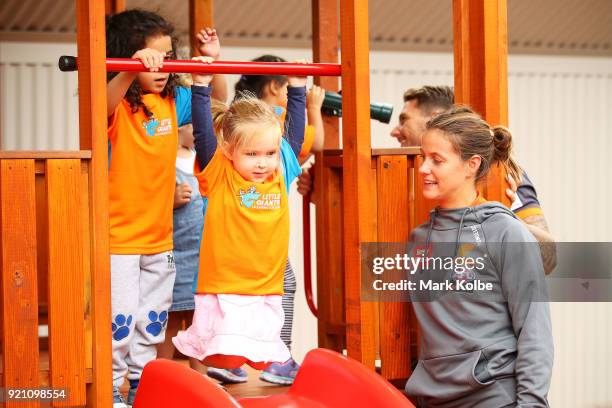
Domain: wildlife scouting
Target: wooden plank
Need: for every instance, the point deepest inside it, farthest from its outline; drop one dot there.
(331, 161)
(358, 189)
(372, 309)
(394, 226)
(91, 46)
(19, 298)
(86, 231)
(66, 280)
(41, 154)
(330, 256)
(414, 324)
(400, 151)
(336, 276)
(42, 240)
(410, 160)
(201, 14)
(320, 198)
(332, 152)
(325, 49)
(397, 151)
(481, 69)
(422, 206)
(43, 372)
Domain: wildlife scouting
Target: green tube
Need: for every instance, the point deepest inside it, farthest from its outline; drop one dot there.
(332, 105)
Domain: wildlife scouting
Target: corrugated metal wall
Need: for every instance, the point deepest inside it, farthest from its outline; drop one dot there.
(39, 103)
(560, 112)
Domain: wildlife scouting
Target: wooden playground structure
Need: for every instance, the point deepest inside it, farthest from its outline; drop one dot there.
(54, 236)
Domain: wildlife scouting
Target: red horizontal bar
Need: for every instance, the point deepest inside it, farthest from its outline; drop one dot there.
(223, 67)
(228, 67)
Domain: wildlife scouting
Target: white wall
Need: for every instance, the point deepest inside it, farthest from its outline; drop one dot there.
(560, 116)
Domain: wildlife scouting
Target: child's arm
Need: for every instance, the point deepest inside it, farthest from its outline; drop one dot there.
(117, 87)
(204, 135)
(296, 118)
(314, 100)
(209, 46)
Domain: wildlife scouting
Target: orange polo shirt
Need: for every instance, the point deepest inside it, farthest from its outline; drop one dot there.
(142, 156)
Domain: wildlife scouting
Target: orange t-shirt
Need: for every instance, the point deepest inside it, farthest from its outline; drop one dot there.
(246, 232)
(142, 156)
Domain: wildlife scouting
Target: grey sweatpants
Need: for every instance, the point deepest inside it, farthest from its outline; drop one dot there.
(289, 286)
(141, 294)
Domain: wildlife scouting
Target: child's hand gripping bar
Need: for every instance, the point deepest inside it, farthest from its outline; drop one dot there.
(67, 63)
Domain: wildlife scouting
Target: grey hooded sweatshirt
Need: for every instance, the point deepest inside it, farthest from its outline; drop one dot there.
(484, 349)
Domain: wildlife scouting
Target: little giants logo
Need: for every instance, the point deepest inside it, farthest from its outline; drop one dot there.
(251, 198)
(155, 127)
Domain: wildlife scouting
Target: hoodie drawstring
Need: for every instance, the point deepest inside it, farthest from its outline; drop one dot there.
(431, 224)
(459, 231)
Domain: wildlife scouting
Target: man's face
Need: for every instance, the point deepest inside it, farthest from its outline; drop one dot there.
(411, 125)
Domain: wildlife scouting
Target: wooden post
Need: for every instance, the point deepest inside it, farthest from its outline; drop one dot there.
(359, 189)
(330, 276)
(325, 49)
(114, 6)
(200, 16)
(481, 69)
(91, 46)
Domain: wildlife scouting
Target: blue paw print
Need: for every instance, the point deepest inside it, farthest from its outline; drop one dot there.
(157, 322)
(121, 327)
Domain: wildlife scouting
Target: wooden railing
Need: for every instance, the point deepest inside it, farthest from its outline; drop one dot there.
(46, 257)
(399, 208)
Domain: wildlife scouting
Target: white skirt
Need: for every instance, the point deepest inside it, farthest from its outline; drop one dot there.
(235, 325)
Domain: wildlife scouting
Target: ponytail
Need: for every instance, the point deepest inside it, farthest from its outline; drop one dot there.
(502, 144)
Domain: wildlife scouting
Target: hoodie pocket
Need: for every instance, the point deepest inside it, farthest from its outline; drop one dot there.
(499, 360)
(447, 377)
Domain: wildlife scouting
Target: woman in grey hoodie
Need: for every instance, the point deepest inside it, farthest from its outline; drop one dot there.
(486, 336)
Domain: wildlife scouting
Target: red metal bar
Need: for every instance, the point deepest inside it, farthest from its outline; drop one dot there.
(67, 63)
(307, 255)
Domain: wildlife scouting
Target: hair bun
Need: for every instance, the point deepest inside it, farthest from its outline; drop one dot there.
(502, 142)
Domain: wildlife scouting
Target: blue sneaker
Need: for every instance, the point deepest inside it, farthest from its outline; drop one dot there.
(118, 401)
(281, 373)
(233, 376)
